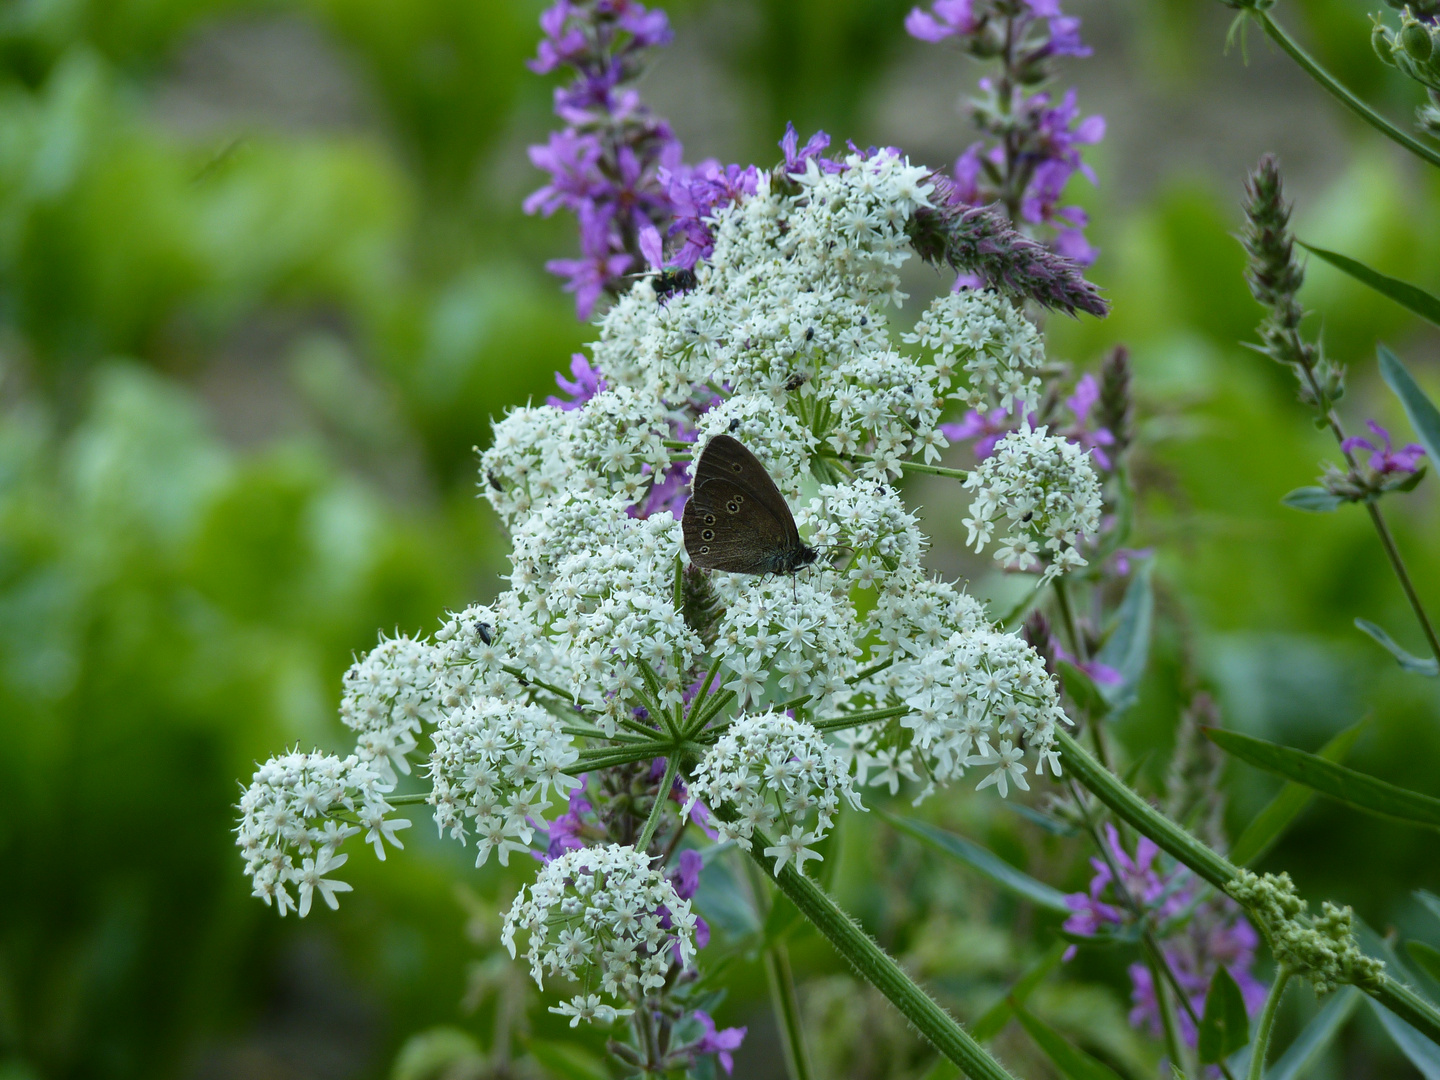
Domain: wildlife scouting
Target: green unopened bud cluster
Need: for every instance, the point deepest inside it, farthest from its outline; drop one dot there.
(1414, 49)
(1321, 948)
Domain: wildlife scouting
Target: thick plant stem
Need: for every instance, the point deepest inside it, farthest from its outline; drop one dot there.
(1261, 1043)
(787, 1011)
(880, 970)
(1339, 91)
(1216, 869)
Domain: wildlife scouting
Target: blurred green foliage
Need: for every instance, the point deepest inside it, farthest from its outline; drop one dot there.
(184, 576)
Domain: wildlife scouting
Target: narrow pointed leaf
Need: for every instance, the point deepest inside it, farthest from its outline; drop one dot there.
(1411, 297)
(994, 1018)
(1225, 1025)
(1424, 416)
(1073, 1063)
(1353, 788)
(1301, 1055)
(1426, 957)
(1128, 647)
(1430, 900)
(1045, 821)
(1423, 1053)
(1313, 500)
(1410, 662)
(1082, 689)
(985, 862)
(1270, 824)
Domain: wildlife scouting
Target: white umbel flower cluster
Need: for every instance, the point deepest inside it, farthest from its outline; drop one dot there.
(389, 695)
(601, 917)
(771, 772)
(986, 337)
(495, 762)
(304, 806)
(1043, 491)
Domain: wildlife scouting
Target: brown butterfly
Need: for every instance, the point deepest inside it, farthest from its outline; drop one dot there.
(736, 519)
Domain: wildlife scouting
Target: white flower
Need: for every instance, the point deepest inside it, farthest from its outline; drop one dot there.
(305, 805)
(985, 336)
(388, 696)
(1044, 492)
(530, 460)
(1007, 762)
(594, 917)
(494, 763)
(771, 770)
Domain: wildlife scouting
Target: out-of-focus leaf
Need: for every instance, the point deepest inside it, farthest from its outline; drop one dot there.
(1430, 900)
(1082, 689)
(1313, 500)
(1302, 1054)
(1410, 662)
(1354, 788)
(1270, 824)
(568, 1061)
(1423, 1054)
(1073, 1063)
(436, 1054)
(995, 1017)
(1045, 821)
(1424, 416)
(985, 862)
(1225, 1025)
(1128, 647)
(1426, 957)
(1410, 297)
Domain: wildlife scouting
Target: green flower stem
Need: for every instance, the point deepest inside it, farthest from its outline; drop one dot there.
(603, 759)
(652, 684)
(1339, 91)
(662, 796)
(692, 718)
(840, 723)
(787, 1011)
(1261, 1042)
(1174, 1046)
(877, 968)
(1219, 871)
(1387, 541)
(934, 470)
(414, 798)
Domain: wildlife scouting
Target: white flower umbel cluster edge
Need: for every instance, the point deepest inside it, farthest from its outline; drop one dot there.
(861, 670)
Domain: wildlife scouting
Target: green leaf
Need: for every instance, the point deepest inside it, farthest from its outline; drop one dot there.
(1128, 647)
(1426, 957)
(1035, 817)
(986, 862)
(1073, 1063)
(1430, 900)
(1082, 689)
(569, 1061)
(994, 1018)
(1313, 500)
(1302, 1054)
(1270, 824)
(1225, 1025)
(1354, 788)
(1424, 416)
(1419, 665)
(1408, 296)
(1423, 1053)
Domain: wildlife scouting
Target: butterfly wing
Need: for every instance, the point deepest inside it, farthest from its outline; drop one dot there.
(726, 458)
(727, 528)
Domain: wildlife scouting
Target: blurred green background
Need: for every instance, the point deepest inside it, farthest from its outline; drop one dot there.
(263, 281)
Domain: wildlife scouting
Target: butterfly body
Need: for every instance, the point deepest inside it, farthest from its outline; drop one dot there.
(736, 520)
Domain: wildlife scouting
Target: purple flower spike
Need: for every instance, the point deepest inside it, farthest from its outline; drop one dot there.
(588, 382)
(1386, 461)
(946, 19)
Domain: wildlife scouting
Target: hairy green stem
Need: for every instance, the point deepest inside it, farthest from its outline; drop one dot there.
(840, 723)
(1339, 91)
(1261, 1042)
(662, 796)
(877, 968)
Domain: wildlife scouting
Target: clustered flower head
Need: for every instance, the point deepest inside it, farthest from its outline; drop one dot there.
(1042, 490)
(304, 806)
(1197, 934)
(389, 696)
(603, 918)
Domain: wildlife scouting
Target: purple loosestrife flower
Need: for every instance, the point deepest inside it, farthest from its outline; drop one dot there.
(1033, 142)
(605, 165)
(587, 383)
(986, 429)
(1095, 439)
(1386, 461)
(719, 1043)
(1195, 938)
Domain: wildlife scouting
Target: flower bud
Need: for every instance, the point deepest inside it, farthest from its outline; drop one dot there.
(1415, 37)
(1383, 42)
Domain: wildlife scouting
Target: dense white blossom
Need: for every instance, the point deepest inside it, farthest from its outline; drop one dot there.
(530, 460)
(389, 695)
(1043, 491)
(494, 765)
(776, 774)
(602, 918)
(983, 345)
(303, 807)
(620, 443)
(867, 519)
(769, 431)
